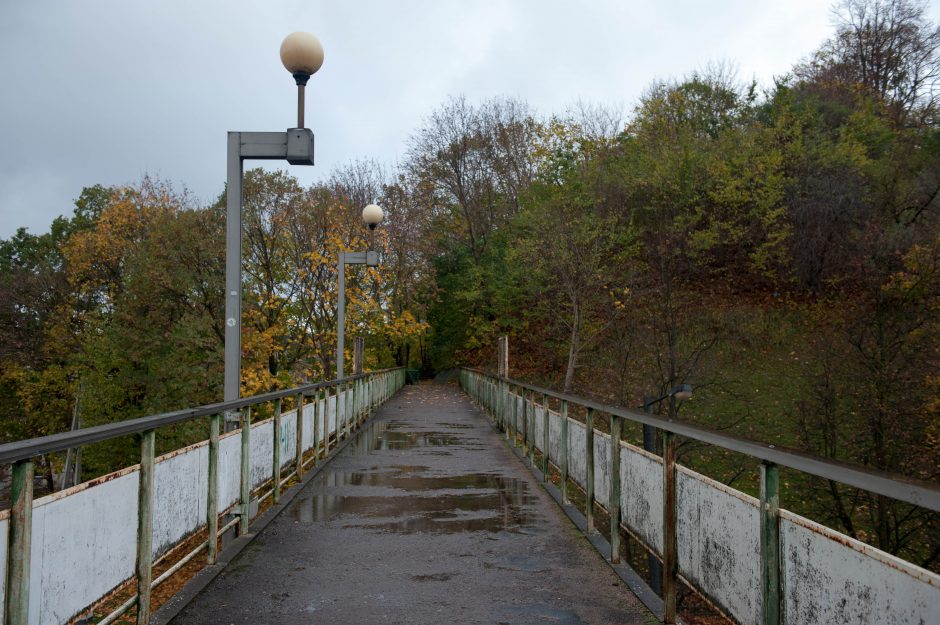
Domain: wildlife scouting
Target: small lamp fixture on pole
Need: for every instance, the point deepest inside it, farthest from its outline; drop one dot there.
(372, 216)
(302, 55)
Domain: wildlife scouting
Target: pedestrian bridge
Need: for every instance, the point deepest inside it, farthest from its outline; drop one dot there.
(388, 503)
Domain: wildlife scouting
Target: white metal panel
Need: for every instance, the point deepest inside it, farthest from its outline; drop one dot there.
(179, 496)
(831, 578)
(641, 494)
(602, 468)
(577, 465)
(230, 452)
(288, 437)
(554, 437)
(260, 455)
(83, 545)
(718, 535)
(308, 423)
(331, 414)
(37, 598)
(538, 428)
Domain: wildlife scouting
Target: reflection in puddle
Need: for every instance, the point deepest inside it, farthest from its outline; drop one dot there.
(404, 498)
(390, 439)
(404, 502)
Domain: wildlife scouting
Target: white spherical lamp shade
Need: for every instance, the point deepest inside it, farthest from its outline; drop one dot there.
(301, 53)
(683, 392)
(372, 215)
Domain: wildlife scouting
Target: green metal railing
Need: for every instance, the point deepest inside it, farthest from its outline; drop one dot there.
(366, 392)
(498, 396)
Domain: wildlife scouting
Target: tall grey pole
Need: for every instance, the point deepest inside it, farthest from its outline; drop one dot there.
(341, 315)
(233, 274)
(296, 147)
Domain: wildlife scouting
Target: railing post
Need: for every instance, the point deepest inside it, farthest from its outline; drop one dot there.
(16, 608)
(351, 405)
(564, 451)
(353, 413)
(770, 542)
(649, 444)
(616, 431)
(486, 397)
(589, 468)
(503, 405)
(212, 498)
(489, 399)
(355, 405)
(507, 410)
(363, 404)
(276, 455)
(353, 409)
(363, 401)
(514, 416)
(326, 421)
(344, 395)
(145, 527)
(670, 548)
(546, 442)
(245, 490)
(316, 427)
(531, 430)
(299, 435)
(523, 422)
(499, 404)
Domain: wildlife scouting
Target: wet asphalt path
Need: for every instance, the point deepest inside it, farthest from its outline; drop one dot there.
(426, 517)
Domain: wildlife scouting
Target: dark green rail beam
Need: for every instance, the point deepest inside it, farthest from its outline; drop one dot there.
(23, 450)
(898, 487)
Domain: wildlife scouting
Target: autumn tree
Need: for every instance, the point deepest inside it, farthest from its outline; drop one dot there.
(883, 49)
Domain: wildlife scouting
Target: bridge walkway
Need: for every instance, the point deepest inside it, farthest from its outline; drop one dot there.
(427, 517)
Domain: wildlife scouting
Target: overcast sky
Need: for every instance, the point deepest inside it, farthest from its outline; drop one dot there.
(105, 92)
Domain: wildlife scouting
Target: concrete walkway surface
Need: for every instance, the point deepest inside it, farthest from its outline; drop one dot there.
(426, 517)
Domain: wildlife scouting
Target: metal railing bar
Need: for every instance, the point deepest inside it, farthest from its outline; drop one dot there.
(124, 607)
(119, 611)
(898, 487)
(180, 564)
(25, 449)
(228, 526)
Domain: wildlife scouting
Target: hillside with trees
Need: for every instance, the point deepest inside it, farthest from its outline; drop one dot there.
(778, 248)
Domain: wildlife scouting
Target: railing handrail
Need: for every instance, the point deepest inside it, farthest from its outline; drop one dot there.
(908, 490)
(28, 448)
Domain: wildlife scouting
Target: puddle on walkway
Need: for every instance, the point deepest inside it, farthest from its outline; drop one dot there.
(408, 503)
(390, 439)
(404, 498)
(398, 435)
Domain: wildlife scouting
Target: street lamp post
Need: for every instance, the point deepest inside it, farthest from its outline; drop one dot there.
(302, 55)
(680, 392)
(372, 216)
